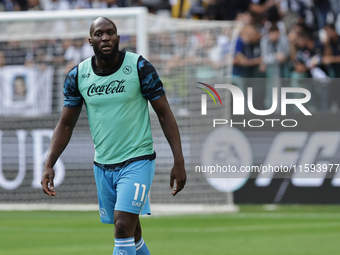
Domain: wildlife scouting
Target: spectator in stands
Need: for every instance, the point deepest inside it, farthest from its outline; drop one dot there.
(36, 54)
(247, 53)
(109, 4)
(128, 43)
(43, 53)
(15, 53)
(162, 47)
(292, 37)
(34, 5)
(275, 55)
(20, 5)
(245, 18)
(313, 13)
(184, 52)
(332, 47)
(82, 4)
(55, 52)
(6, 5)
(226, 9)
(178, 67)
(332, 60)
(258, 9)
(197, 9)
(335, 7)
(57, 5)
(308, 55)
(15, 5)
(77, 52)
(248, 63)
(208, 54)
(308, 63)
(289, 9)
(273, 18)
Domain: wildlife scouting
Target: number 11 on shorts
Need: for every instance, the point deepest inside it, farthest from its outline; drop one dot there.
(137, 191)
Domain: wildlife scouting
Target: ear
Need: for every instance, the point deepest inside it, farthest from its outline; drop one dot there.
(118, 38)
(90, 41)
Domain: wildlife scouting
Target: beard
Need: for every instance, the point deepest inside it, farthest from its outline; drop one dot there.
(101, 55)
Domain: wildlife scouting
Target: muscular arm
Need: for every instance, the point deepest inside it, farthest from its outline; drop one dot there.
(170, 129)
(61, 136)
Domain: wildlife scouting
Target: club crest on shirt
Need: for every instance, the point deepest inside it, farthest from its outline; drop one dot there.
(102, 212)
(127, 69)
(114, 87)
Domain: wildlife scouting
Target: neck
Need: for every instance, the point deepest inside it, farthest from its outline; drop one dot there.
(105, 65)
(334, 39)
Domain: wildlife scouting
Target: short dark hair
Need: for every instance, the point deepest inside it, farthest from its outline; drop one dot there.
(331, 26)
(273, 28)
(306, 34)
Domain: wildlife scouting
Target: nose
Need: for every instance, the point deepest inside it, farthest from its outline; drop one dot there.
(105, 37)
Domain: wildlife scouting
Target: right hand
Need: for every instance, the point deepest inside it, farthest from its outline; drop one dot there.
(47, 178)
(280, 57)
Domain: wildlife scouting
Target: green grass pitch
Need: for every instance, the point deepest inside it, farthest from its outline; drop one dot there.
(287, 230)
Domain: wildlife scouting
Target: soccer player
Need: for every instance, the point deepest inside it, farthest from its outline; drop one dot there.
(116, 87)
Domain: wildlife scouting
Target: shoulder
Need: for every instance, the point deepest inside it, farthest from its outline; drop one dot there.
(85, 62)
(72, 97)
(142, 62)
(239, 44)
(132, 56)
(145, 68)
(72, 76)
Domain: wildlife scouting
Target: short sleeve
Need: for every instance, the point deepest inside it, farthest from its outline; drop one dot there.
(239, 46)
(72, 96)
(151, 85)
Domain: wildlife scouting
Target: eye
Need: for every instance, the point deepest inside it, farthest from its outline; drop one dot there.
(110, 33)
(98, 34)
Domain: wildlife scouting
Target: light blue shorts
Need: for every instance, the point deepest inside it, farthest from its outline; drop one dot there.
(125, 190)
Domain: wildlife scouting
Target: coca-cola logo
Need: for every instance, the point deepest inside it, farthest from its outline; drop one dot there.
(112, 88)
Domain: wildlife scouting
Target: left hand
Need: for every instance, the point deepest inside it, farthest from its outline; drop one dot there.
(327, 60)
(179, 175)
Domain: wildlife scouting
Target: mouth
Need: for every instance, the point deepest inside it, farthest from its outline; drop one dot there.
(106, 47)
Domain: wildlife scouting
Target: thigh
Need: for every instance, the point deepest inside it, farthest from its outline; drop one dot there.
(106, 192)
(133, 186)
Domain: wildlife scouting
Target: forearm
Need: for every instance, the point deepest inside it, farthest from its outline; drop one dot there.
(171, 132)
(335, 59)
(253, 61)
(62, 134)
(61, 137)
(170, 129)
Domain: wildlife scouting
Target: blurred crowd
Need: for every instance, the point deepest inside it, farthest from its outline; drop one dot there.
(46, 5)
(294, 39)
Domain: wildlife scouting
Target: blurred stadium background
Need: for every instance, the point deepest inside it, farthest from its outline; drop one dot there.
(37, 49)
(50, 44)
